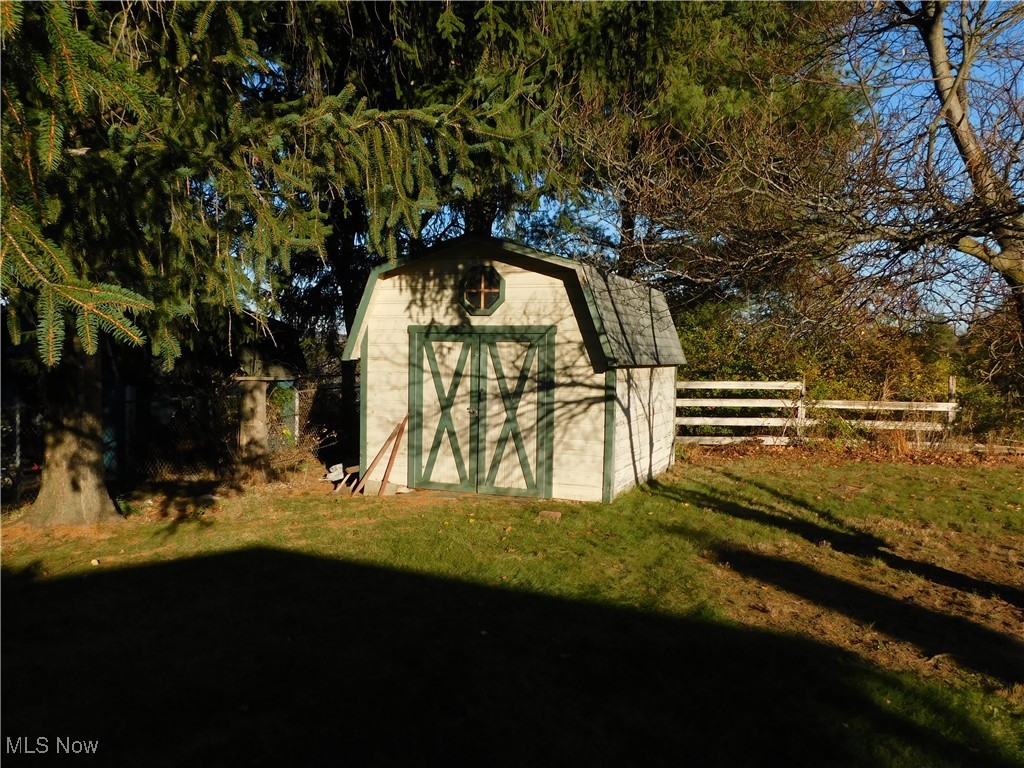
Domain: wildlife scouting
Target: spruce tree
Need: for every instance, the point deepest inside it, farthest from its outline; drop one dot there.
(412, 56)
(153, 165)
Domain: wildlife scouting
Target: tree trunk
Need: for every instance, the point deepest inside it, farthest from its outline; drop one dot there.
(351, 264)
(628, 256)
(1000, 202)
(479, 215)
(73, 486)
(253, 436)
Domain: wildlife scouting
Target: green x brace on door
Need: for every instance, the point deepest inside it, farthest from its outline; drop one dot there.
(481, 409)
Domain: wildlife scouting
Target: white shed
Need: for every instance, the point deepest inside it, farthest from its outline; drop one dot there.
(521, 373)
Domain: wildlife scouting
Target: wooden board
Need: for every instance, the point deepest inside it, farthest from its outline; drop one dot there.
(745, 385)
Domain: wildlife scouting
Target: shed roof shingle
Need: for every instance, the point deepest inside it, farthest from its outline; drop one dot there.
(636, 321)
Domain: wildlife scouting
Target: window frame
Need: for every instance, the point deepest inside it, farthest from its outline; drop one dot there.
(464, 287)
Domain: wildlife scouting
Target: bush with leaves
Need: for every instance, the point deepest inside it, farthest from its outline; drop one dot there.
(874, 362)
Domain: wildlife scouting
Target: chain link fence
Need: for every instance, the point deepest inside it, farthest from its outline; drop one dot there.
(199, 433)
(188, 435)
(305, 419)
(181, 438)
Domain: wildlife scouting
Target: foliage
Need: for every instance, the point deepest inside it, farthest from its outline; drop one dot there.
(991, 357)
(678, 124)
(57, 77)
(990, 415)
(876, 362)
(152, 164)
(409, 56)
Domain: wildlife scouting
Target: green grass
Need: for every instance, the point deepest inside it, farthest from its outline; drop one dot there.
(303, 628)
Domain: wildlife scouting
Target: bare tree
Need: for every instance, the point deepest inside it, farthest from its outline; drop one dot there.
(872, 171)
(936, 196)
(691, 168)
(917, 212)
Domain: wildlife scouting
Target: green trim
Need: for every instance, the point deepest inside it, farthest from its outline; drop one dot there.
(478, 402)
(454, 332)
(546, 417)
(420, 348)
(481, 347)
(610, 385)
(510, 401)
(543, 471)
(595, 314)
(364, 303)
(446, 398)
(363, 367)
(415, 406)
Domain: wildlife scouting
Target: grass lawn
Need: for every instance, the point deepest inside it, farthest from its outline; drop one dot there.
(772, 608)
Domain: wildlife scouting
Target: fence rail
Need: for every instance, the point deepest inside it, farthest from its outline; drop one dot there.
(798, 407)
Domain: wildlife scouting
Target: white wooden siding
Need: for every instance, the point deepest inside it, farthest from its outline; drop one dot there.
(386, 375)
(644, 425)
(425, 294)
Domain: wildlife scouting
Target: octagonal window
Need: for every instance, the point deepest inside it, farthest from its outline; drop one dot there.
(481, 290)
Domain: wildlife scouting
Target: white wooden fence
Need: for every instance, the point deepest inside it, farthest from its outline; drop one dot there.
(795, 405)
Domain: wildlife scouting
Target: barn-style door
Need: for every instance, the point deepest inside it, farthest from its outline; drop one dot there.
(481, 409)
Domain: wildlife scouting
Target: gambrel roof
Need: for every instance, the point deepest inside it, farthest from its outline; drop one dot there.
(631, 320)
(636, 321)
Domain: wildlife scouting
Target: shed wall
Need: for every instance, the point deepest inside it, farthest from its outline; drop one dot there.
(425, 293)
(644, 424)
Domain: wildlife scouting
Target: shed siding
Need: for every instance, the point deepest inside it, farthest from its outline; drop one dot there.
(644, 424)
(424, 293)
(387, 382)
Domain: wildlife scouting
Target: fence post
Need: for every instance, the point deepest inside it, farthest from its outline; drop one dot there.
(951, 413)
(17, 440)
(801, 409)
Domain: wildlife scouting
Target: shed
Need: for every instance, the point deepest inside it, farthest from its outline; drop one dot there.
(522, 373)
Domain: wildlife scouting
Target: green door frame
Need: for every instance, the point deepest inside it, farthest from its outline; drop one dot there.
(478, 474)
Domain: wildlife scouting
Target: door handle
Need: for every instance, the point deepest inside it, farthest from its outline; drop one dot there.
(473, 411)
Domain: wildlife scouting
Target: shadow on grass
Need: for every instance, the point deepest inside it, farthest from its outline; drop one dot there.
(262, 657)
(848, 539)
(855, 542)
(181, 500)
(185, 501)
(973, 645)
